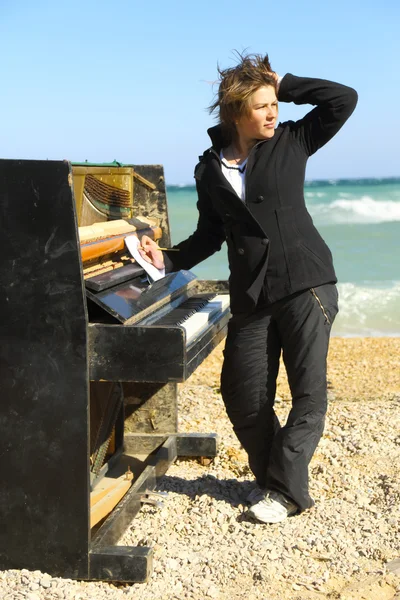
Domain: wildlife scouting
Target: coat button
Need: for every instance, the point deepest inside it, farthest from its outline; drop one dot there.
(265, 241)
(259, 198)
(241, 251)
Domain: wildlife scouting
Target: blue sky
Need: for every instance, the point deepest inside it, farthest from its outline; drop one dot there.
(131, 80)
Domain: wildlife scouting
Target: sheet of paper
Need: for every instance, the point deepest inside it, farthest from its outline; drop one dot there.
(132, 243)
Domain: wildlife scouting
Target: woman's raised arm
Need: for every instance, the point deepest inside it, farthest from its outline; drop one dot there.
(334, 104)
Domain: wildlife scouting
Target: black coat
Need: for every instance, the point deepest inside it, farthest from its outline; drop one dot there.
(272, 243)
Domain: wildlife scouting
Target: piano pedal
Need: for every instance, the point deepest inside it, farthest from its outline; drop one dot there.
(150, 497)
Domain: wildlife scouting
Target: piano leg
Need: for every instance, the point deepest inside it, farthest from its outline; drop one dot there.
(187, 444)
(151, 415)
(151, 444)
(151, 407)
(118, 563)
(132, 564)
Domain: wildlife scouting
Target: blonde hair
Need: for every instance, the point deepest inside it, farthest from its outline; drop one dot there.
(237, 85)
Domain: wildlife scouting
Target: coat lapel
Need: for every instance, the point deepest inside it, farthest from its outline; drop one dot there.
(224, 198)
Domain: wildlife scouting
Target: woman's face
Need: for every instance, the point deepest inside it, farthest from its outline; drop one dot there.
(261, 121)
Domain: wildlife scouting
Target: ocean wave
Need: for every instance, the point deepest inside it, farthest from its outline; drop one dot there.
(360, 210)
(177, 187)
(362, 181)
(332, 183)
(315, 194)
(366, 310)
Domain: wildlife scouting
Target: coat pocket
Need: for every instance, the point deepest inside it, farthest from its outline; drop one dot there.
(326, 296)
(306, 254)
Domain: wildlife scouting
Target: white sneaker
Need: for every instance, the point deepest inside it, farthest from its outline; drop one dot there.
(273, 508)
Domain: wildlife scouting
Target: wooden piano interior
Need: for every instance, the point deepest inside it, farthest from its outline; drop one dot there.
(91, 358)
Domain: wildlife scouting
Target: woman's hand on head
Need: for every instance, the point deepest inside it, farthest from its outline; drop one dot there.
(277, 79)
(150, 252)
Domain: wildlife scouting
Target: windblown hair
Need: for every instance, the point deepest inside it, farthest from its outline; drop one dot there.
(236, 86)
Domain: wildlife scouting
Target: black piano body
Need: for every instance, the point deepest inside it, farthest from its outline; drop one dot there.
(67, 344)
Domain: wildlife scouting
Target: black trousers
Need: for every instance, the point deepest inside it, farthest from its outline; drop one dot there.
(299, 326)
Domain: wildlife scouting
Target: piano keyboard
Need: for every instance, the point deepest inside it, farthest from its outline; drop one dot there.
(196, 313)
(176, 317)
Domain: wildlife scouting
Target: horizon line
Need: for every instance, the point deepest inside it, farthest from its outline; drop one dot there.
(332, 180)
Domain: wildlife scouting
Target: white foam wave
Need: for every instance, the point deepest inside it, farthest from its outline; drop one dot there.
(368, 311)
(315, 194)
(360, 210)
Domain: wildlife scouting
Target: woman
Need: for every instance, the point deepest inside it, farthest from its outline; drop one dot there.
(282, 282)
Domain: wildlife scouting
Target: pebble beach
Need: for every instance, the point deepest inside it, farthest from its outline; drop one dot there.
(204, 544)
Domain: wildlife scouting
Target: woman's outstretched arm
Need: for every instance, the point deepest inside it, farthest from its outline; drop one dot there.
(204, 241)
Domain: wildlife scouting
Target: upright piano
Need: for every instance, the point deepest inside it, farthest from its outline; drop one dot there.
(91, 356)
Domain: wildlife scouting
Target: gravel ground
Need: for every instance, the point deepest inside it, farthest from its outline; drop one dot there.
(206, 547)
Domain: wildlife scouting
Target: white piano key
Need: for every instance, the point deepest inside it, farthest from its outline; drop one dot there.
(196, 323)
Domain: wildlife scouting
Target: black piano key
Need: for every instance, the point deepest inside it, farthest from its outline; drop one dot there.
(180, 314)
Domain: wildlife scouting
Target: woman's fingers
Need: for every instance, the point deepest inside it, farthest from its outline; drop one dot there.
(144, 255)
(145, 247)
(150, 252)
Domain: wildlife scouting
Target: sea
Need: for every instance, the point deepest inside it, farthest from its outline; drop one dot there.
(360, 221)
